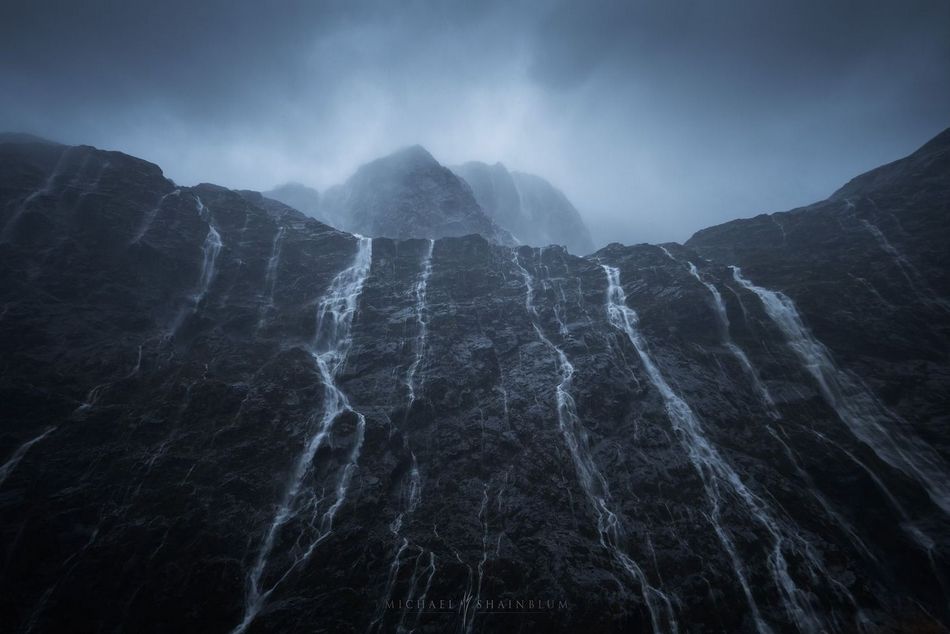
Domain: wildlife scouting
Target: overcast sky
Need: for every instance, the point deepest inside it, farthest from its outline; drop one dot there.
(655, 118)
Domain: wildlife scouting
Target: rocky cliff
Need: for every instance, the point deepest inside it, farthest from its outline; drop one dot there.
(528, 206)
(408, 194)
(221, 415)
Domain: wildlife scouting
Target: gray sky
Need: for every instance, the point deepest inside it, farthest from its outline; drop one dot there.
(656, 118)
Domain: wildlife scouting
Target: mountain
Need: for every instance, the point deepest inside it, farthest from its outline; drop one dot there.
(219, 414)
(529, 207)
(300, 197)
(408, 194)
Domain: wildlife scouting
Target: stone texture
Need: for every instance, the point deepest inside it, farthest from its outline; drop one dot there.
(174, 424)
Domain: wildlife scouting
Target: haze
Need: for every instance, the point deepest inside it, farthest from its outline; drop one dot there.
(656, 119)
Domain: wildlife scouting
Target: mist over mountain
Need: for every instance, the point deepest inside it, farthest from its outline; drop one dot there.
(654, 118)
(509, 316)
(531, 208)
(224, 415)
(407, 194)
(410, 194)
(300, 197)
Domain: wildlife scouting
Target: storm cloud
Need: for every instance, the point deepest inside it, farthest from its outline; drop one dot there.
(656, 119)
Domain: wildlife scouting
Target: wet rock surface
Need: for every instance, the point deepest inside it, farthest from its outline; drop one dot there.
(636, 434)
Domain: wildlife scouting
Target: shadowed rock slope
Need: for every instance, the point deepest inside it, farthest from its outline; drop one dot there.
(221, 415)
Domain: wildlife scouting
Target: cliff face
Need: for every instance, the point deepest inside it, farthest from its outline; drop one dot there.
(529, 207)
(870, 270)
(220, 415)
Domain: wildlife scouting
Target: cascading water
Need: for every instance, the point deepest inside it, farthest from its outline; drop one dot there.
(209, 254)
(329, 351)
(910, 273)
(715, 471)
(853, 402)
(593, 483)
(414, 494)
(422, 320)
(44, 190)
(150, 216)
(736, 351)
(270, 277)
(209, 257)
(7, 468)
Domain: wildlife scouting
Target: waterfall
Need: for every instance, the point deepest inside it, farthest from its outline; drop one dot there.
(209, 254)
(855, 404)
(609, 525)
(329, 351)
(210, 250)
(150, 216)
(736, 351)
(908, 270)
(715, 471)
(7, 468)
(44, 190)
(422, 319)
(270, 277)
(414, 496)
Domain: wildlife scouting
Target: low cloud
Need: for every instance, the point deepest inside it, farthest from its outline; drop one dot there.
(656, 119)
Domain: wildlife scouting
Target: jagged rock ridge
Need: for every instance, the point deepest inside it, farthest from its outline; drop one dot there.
(407, 194)
(532, 209)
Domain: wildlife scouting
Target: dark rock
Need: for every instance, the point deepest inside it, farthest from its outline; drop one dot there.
(169, 435)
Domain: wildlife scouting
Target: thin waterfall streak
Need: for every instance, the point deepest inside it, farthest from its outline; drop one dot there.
(707, 461)
(270, 277)
(826, 506)
(738, 568)
(918, 536)
(7, 468)
(910, 273)
(737, 352)
(468, 621)
(589, 476)
(45, 189)
(149, 218)
(329, 351)
(857, 407)
(209, 255)
(428, 586)
(422, 320)
(415, 486)
(390, 583)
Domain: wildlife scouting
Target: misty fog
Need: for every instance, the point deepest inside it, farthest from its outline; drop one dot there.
(656, 119)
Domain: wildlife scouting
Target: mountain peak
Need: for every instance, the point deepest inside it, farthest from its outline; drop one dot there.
(528, 206)
(413, 154)
(925, 167)
(939, 142)
(408, 194)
